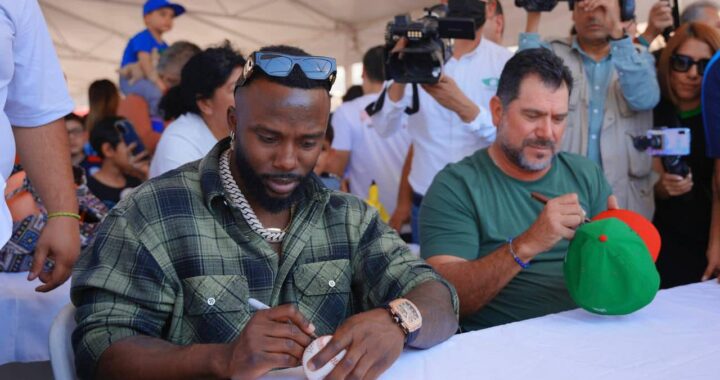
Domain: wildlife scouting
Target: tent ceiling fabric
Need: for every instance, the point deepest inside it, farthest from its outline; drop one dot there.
(90, 35)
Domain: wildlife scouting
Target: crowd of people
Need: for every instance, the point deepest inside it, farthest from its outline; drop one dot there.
(232, 180)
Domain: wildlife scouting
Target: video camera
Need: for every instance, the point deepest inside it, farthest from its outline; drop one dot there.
(627, 7)
(671, 144)
(421, 61)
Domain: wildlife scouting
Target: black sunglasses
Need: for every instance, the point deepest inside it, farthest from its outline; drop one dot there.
(683, 63)
(280, 65)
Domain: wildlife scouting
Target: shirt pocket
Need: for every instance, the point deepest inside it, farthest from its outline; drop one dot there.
(323, 290)
(215, 307)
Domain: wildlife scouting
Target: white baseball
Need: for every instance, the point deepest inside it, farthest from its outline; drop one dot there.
(313, 349)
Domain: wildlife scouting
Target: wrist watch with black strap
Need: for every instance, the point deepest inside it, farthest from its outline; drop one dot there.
(407, 316)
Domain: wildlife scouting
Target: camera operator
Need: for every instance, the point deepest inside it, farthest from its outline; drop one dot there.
(615, 93)
(453, 120)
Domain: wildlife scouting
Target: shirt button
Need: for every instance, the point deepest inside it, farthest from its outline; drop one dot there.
(595, 110)
(594, 137)
(597, 88)
(331, 283)
(211, 301)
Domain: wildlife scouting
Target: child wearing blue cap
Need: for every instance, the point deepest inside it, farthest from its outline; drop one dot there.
(137, 69)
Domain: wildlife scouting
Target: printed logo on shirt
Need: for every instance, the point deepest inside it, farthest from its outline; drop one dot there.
(491, 83)
(365, 119)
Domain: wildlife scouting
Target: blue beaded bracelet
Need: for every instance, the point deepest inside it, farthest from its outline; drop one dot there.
(523, 264)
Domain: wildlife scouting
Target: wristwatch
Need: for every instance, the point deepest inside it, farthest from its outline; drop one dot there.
(407, 316)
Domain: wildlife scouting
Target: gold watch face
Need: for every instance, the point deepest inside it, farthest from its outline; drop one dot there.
(408, 313)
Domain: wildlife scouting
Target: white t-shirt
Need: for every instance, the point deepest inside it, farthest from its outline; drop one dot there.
(372, 157)
(186, 139)
(438, 134)
(33, 91)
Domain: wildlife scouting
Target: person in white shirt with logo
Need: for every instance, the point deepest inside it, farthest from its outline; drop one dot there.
(361, 155)
(453, 120)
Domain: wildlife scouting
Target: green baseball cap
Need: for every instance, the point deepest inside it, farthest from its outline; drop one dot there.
(609, 270)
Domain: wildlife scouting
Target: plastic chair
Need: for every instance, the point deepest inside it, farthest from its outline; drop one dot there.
(135, 109)
(62, 357)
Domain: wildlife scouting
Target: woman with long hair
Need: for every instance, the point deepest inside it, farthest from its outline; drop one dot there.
(685, 199)
(104, 98)
(199, 106)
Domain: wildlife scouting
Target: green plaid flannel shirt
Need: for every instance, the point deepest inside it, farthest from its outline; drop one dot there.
(174, 261)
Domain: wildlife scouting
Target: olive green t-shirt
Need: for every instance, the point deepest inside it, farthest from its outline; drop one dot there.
(472, 208)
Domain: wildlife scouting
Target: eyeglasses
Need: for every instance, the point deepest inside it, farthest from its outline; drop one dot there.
(280, 65)
(683, 63)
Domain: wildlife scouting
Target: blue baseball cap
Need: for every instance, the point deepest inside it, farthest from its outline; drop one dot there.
(153, 5)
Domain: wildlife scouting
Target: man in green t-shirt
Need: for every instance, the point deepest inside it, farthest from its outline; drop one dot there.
(480, 227)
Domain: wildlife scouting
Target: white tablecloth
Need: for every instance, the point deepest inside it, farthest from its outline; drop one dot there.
(677, 336)
(26, 316)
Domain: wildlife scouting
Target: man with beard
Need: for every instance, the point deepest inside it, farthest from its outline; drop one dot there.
(164, 292)
(480, 227)
(615, 92)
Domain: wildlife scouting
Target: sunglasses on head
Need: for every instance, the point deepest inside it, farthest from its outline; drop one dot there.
(683, 63)
(280, 65)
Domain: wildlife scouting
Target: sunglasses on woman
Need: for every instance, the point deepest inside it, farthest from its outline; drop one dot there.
(683, 63)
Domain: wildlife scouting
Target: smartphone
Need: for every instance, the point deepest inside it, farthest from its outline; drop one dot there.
(669, 141)
(130, 136)
(675, 5)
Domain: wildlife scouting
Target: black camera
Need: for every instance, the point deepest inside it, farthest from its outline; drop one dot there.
(421, 61)
(536, 5)
(627, 7)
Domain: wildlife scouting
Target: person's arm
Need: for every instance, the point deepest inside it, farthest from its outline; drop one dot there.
(476, 118)
(374, 341)
(636, 74)
(659, 19)
(338, 162)
(403, 209)
(479, 281)
(713, 251)
(530, 39)
(670, 185)
(146, 64)
(386, 270)
(449, 95)
(532, 22)
(125, 300)
(635, 67)
(273, 338)
(45, 155)
(143, 357)
(342, 143)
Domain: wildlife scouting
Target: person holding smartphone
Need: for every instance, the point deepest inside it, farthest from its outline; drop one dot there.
(122, 170)
(687, 213)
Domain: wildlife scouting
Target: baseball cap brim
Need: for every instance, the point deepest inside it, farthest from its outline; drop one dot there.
(177, 8)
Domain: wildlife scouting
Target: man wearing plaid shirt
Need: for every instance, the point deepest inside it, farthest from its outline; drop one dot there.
(163, 291)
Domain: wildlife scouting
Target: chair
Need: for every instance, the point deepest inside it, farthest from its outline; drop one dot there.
(135, 109)
(62, 357)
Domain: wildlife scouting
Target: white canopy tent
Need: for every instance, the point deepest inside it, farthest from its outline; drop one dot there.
(90, 35)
